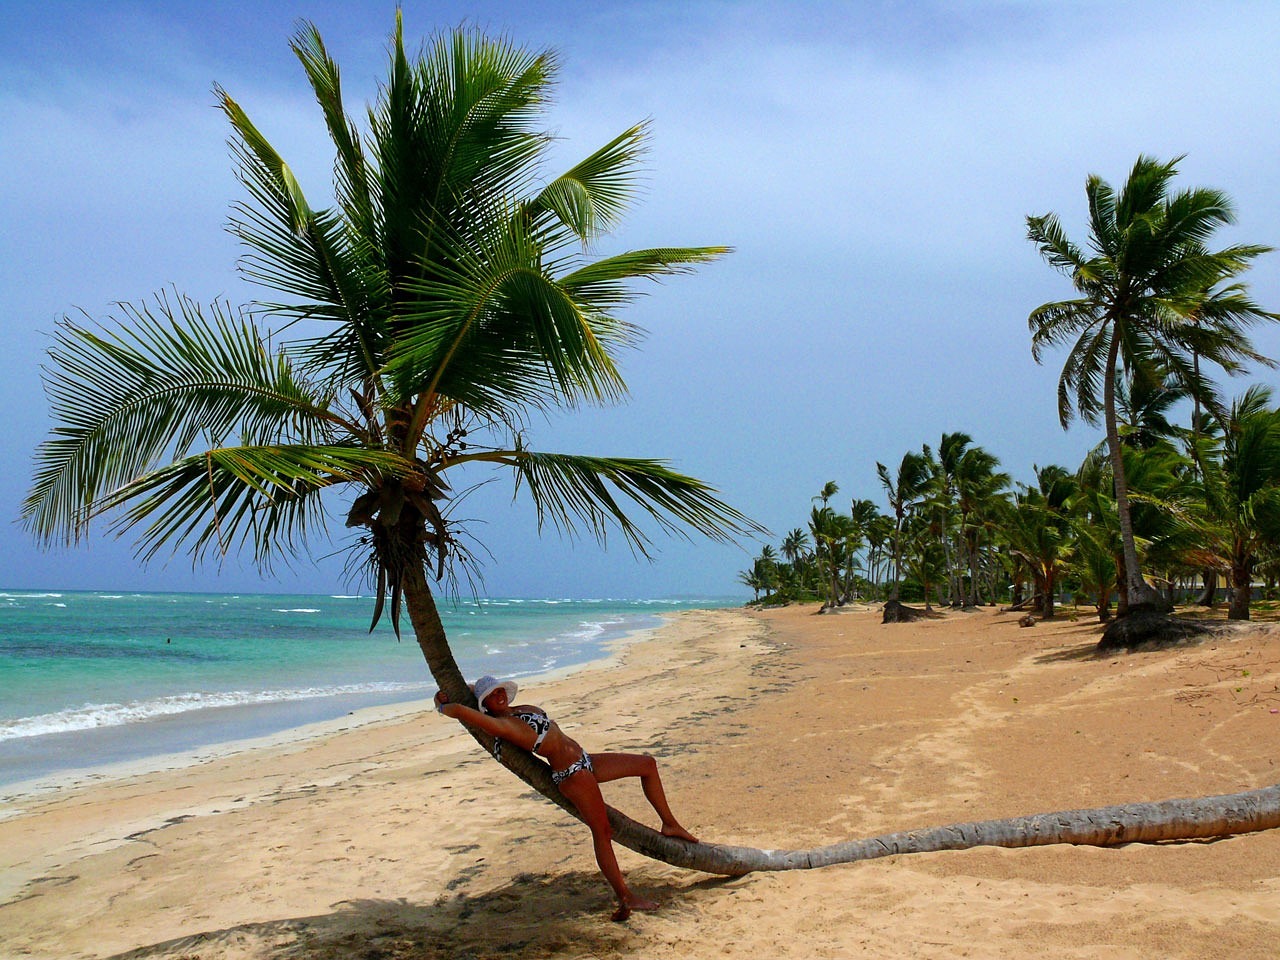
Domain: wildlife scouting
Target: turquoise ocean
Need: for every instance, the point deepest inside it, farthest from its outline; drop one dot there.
(88, 679)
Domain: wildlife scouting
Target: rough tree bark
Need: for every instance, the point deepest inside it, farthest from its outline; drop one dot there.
(1188, 819)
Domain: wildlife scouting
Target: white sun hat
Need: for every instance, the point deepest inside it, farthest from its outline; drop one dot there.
(487, 684)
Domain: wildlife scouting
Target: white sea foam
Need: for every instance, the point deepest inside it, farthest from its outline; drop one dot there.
(590, 629)
(93, 715)
(296, 610)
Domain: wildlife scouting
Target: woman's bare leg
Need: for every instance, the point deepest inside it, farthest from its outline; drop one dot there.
(615, 766)
(583, 792)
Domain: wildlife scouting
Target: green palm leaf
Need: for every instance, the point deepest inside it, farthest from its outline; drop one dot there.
(261, 498)
(144, 390)
(589, 199)
(574, 492)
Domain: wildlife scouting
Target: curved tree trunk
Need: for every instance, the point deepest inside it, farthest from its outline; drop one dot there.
(1194, 818)
(1139, 822)
(1209, 596)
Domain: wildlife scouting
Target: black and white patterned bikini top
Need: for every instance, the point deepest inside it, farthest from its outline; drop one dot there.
(539, 723)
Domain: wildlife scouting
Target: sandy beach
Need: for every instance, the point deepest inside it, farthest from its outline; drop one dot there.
(393, 836)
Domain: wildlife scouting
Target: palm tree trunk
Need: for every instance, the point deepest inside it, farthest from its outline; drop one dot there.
(1122, 588)
(953, 568)
(1241, 589)
(1189, 819)
(971, 548)
(1140, 593)
(897, 556)
(1209, 596)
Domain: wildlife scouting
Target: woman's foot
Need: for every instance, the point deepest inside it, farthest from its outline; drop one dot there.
(679, 832)
(635, 903)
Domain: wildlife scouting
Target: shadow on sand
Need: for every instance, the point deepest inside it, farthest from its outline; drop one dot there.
(533, 916)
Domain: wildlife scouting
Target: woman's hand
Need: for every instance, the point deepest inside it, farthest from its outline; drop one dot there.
(441, 700)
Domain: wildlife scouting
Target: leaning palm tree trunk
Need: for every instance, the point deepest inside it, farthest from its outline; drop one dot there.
(1189, 819)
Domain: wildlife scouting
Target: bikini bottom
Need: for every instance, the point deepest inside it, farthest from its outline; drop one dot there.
(582, 763)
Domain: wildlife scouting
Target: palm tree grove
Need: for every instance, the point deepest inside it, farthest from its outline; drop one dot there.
(1179, 503)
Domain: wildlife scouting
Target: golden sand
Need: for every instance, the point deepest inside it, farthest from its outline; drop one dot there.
(397, 838)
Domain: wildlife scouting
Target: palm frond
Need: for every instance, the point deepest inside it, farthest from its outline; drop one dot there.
(572, 491)
(605, 283)
(350, 167)
(143, 390)
(1053, 324)
(496, 330)
(262, 497)
(589, 199)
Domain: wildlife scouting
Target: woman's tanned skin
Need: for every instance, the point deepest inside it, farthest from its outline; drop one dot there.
(582, 789)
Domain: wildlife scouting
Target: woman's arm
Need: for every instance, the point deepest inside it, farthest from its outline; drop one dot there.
(508, 728)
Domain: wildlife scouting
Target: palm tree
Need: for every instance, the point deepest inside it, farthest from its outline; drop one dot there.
(829, 490)
(879, 532)
(445, 298)
(752, 579)
(1146, 260)
(766, 568)
(1242, 488)
(1039, 531)
(1143, 402)
(795, 545)
(901, 490)
(943, 468)
(924, 556)
(1096, 554)
(865, 516)
(835, 540)
(979, 494)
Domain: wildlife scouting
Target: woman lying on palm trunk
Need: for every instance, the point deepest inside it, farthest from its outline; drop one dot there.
(577, 773)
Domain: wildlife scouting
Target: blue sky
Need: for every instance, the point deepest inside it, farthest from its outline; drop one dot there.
(872, 164)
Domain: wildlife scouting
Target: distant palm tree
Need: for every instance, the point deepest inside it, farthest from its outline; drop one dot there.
(901, 490)
(766, 567)
(795, 545)
(865, 516)
(834, 542)
(1097, 553)
(1143, 403)
(752, 579)
(445, 301)
(879, 534)
(1038, 529)
(943, 469)
(924, 556)
(1146, 259)
(980, 491)
(1243, 491)
(1211, 304)
(829, 490)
